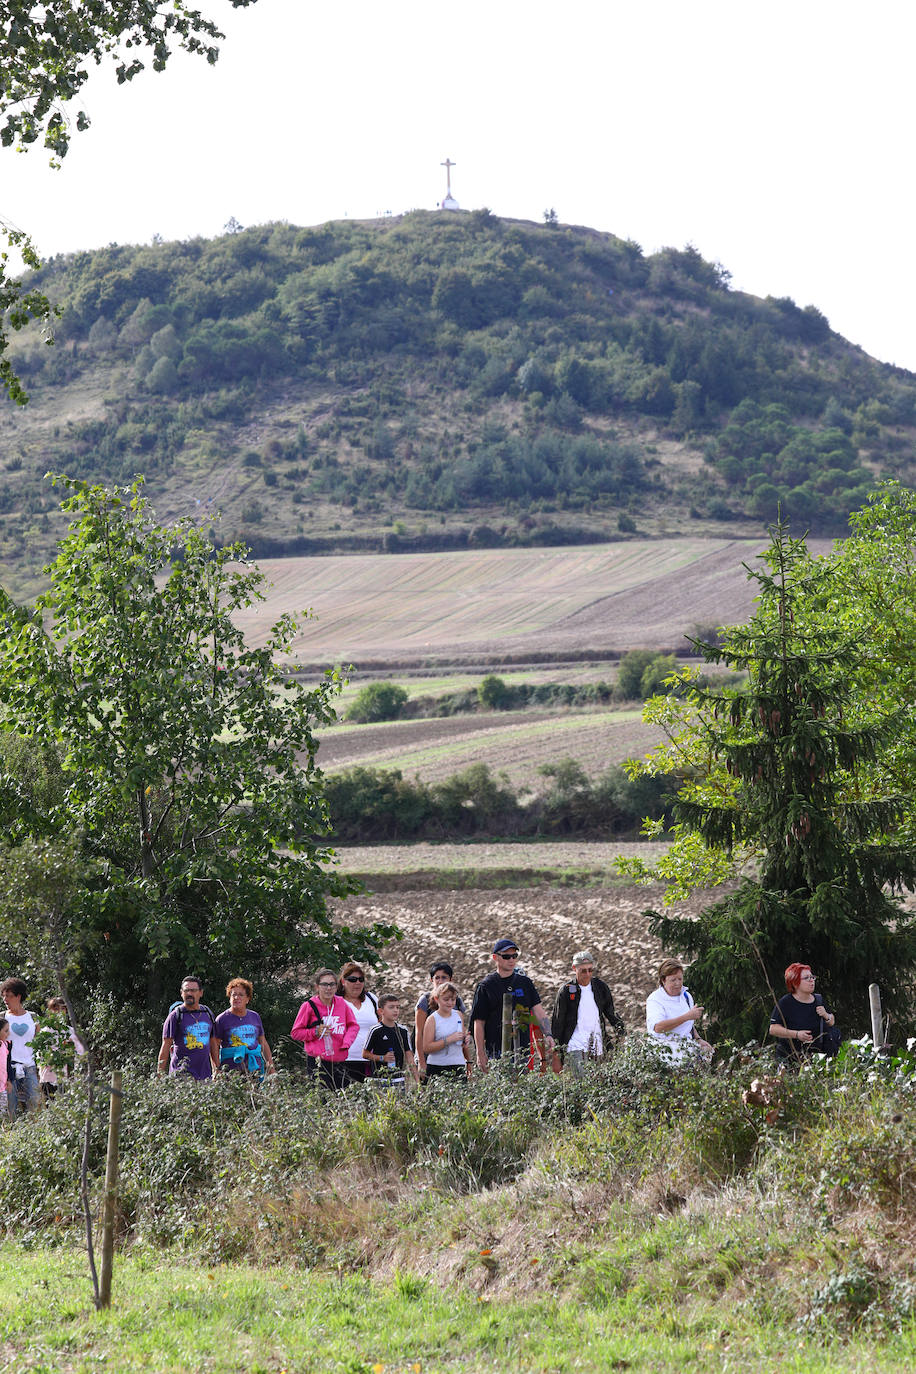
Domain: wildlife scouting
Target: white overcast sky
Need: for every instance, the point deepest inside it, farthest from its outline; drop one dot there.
(777, 137)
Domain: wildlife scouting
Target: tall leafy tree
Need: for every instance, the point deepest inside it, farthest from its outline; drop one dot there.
(46, 54)
(787, 789)
(181, 757)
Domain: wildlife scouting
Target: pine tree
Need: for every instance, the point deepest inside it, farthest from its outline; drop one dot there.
(796, 743)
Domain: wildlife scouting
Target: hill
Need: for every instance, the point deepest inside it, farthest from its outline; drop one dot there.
(440, 381)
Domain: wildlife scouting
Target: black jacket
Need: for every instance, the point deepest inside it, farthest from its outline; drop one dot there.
(566, 1009)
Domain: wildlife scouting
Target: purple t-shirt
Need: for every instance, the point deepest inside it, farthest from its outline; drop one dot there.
(190, 1033)
(239, 1030)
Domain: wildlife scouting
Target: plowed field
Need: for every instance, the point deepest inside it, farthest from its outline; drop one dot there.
(550, 924)
(436, 607)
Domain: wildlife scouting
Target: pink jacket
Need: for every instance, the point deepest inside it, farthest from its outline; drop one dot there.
(335, 1045)
(4, 1064)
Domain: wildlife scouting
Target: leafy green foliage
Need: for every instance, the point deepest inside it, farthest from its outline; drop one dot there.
(368, 804)
(788, 783)
(377, 701)
(46, 53)
(180, 762)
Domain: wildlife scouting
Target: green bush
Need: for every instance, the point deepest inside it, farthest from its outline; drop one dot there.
(377, 701)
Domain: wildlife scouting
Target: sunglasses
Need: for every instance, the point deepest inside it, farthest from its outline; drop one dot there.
(354, 978)
(513, 955)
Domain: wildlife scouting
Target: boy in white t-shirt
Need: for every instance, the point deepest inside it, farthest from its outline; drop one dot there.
(22, 1073)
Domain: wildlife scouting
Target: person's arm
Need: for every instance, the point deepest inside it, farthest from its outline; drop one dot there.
(419, 1023)
(351, 1025)
(164, 1054)
(433, 1042)
(372, 1055)
(781, 1032)
(215, 1046)
(268, 1057)
(305, 1027)
(543, 1020)
(672, 1022)
(483, 1062)
(556, 1024)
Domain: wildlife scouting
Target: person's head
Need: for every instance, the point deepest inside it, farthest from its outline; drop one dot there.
(352, 984)
(326, 984)
(505, 957)
(584, 966)
(671, 977)
(441, 972)
(240, 992)
(4, 1028)
(12, 992)
(389, 1008)
(57, 1004)
(191, 991)
(799, 978)
(444, 997)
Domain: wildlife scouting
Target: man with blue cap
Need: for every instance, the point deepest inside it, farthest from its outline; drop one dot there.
(487, 1009)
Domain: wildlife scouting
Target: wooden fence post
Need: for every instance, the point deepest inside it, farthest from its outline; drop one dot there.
(877, 1022)
(508, 1009)
(111, 1191)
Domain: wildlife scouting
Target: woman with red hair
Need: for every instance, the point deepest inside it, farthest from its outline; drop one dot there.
(800, 1018)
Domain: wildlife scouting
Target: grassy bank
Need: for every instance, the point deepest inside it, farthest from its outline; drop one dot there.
(170, 1314)
(634, 1219)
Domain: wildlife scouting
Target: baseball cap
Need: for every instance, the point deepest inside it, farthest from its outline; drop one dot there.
(504, 946)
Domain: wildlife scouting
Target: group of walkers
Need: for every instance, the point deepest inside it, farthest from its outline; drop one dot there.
(349, 1035)
(28, 1079)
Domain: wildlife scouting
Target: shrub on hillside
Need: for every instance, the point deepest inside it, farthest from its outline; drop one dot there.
(377, 701)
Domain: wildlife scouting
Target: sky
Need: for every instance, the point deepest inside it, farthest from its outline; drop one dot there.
(776, 138)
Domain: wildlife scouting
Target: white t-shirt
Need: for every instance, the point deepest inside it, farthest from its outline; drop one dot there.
(366, 1018)
(22, 1033)
(587, 1035)
(661, 1007)
(453, 1054)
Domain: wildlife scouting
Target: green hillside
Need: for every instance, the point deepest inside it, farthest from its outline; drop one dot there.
(438, 379)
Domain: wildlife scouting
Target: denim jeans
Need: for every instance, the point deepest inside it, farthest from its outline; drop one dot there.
(23, 1090)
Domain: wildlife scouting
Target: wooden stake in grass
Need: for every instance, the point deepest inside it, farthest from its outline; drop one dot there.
(508, 1009)
(111, 1190)
(877, 1022)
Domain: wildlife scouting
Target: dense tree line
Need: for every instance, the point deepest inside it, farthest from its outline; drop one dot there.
(369, 805)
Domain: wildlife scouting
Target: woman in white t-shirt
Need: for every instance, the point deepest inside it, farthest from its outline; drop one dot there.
(672, 1016)
(352, 987)
(446, 1043)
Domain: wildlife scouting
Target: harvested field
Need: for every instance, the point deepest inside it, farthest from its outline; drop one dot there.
(549, 923)
(514, 742)
(484, 604)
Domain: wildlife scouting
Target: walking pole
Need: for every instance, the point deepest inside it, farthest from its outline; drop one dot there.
(877, 1023)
